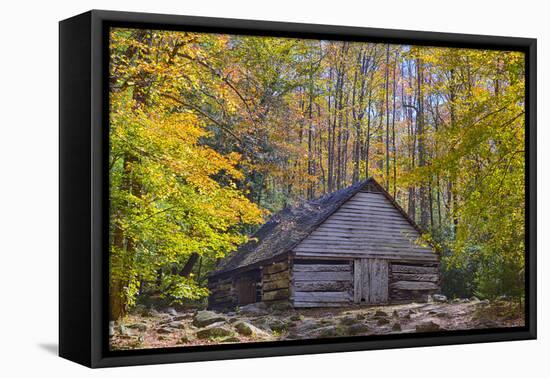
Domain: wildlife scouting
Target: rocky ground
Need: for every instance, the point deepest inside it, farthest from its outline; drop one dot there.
(149, 328)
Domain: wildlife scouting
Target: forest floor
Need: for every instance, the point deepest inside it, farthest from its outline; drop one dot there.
(149, 328)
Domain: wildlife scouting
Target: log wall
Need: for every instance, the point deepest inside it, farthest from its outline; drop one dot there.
(321, 283)
(413, 281)
(222, 293)
(275, 284)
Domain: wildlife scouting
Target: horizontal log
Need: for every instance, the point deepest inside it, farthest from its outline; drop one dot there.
(220, 283)
(410, 257)
(369, 212)
(322, 276)
(321, 268)
(372, 234)
(275, 285)
(336, 249)
(380, 228)
(276, 268)
(374, 205)
(275, 277)
(415, 277)
(371, 227)
(275, 295)
(369, 197)
(379, 221)
(413, 258)
(409, 295)
(413, 285)
(330, 296)
(397, 268)
(362, 244)
(299, 304)
(322, 285)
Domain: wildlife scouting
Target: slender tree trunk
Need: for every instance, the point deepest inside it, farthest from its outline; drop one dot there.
(387, 106)
(423, 190)
(394, 149)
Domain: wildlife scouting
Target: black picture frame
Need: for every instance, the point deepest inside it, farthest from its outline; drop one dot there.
(83, 196)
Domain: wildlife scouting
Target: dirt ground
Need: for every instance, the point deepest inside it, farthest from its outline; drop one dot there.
(149, 328)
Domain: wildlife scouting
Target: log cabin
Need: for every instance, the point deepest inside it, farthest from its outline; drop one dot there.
(352, 246)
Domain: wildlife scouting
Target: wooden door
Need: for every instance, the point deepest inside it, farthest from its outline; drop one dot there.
(371, 281)
(246, 291)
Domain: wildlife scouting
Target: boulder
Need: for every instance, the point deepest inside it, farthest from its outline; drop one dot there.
(165, 331)
(204, 318)
(170, 311)
(331, 331)
(382, 321)
(380, 314)
(348, 320)
(230, 339)
(306, 326)
(186, 337)
(247, 329)
(142, 327)
(175, 324)
(396, 327)
(296, 317)
(357, 329)
(255, 309)
(280, 306)
(428, 326)
(123, 331)
(215, 330)
(277, 325)
(183, 317)
(439, 298)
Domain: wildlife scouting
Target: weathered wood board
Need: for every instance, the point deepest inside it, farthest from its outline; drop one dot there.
(367, 226)
(322, 284)
(371, 282)
(275, 281)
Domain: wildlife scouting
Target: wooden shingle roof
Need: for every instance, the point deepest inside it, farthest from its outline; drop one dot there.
(287, 228)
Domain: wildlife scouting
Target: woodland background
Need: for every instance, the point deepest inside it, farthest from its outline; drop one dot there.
(212, 133)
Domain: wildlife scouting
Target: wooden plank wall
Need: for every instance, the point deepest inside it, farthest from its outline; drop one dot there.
(276, 282)
(413, 281)
(366, 226)
(322, 283)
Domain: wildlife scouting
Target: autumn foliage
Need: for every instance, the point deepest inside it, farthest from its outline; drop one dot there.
(209, 134)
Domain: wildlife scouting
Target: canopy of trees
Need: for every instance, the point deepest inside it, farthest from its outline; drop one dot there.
(210, 133)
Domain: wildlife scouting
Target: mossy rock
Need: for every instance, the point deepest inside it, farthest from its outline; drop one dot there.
(215, 330)
(204, 318)
(380, 314)
(396, 327)
(428, 327)
(230, 339)
(297, 317)
(357, 329)
(348, 320)
(333, 331)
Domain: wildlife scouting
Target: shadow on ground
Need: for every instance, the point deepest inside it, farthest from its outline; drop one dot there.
(51, 348)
